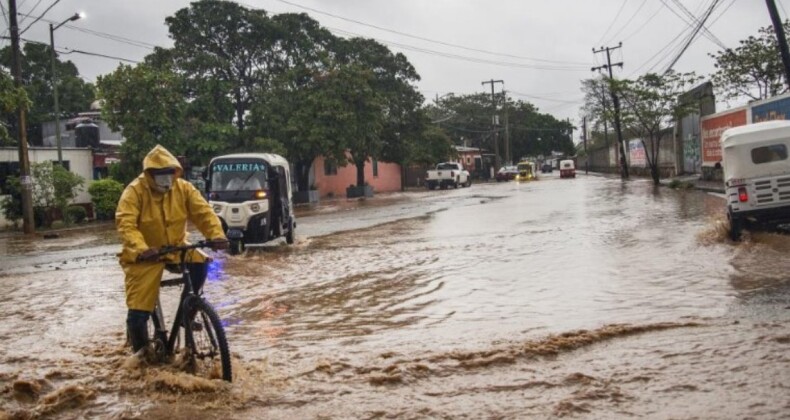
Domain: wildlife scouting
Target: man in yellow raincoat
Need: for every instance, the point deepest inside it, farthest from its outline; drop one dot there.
(152, 213)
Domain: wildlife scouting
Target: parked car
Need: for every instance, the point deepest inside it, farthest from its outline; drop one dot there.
(447, 174)
(251, 195)
(567, 169)
(757, 176)
(546, 168)
(506, 173)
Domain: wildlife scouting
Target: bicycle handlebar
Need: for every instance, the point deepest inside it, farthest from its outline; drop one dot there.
(181, 248)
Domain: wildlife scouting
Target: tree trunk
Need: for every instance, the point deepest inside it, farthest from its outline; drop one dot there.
(303, 174)
(360, 173)
(239, 111)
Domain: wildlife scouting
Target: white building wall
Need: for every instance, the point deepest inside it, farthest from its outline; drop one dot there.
(80, 163)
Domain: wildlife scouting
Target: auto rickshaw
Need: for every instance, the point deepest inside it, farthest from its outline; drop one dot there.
(526, 171)
(251, 194)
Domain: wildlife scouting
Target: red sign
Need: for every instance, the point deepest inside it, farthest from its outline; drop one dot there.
(712, 127)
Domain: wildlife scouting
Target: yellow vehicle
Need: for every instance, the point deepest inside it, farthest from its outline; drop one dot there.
(526, 171)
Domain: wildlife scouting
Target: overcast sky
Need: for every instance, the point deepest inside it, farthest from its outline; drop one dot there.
(541, 49)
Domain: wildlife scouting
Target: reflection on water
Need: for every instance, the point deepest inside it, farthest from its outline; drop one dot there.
(590, 297)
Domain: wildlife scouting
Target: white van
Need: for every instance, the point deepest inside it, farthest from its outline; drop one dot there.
(757, 176)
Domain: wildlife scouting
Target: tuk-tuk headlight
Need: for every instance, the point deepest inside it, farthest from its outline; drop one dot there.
(260, 194)
(217, 208)
(255, 208)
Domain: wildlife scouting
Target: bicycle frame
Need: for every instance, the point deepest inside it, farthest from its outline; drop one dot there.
(169, 340)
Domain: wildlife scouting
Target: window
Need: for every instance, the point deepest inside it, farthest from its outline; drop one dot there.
(468, 160)
(330, 168)
(375, 167)
(772, 153)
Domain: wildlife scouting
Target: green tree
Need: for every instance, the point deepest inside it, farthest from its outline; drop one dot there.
(148, 107)
(11, 99)
(650, 105)
(753, 69)
(54, 187)
(391, 92)
(74, 94)
(105, 194)
(225, 51)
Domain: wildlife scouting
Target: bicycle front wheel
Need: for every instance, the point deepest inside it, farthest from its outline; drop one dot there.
(205, 341)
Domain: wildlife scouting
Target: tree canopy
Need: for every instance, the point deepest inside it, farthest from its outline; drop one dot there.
(74, 94)
(752, 70)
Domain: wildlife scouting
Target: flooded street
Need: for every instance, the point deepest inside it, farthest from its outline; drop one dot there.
(588, 298)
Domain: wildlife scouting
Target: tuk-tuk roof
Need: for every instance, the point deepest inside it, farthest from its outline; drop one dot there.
(270, 158)
(755, 133)
(738, 142)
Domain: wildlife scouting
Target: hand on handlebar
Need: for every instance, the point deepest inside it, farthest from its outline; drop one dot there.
(149, 254)
(218, 244)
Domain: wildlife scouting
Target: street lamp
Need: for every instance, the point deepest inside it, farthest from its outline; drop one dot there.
(55, 80)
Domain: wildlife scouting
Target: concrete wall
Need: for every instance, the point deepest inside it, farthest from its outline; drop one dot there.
(387, 180)
(80, 162)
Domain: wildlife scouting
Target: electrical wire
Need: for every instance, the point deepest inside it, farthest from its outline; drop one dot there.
(708, 34)
(462, 57)
(30, 11)
(693, 35)
(423, 38)
(619, 11)
(67, 50)
(105, 35)
(39, 18)
(539, 97)
(628, 22)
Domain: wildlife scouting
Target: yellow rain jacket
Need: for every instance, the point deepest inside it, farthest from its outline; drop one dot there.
(146, 218)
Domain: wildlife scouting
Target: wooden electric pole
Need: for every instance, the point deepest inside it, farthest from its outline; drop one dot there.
(494, 136)
(616, 103)
(28, 226)
(780, 38)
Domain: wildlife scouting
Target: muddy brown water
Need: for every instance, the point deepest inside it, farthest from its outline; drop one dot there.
(587, 298)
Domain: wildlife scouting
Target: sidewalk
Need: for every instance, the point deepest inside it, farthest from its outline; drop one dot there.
(694, 179)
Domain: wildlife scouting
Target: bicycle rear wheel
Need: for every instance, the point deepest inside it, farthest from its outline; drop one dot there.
(205, 341)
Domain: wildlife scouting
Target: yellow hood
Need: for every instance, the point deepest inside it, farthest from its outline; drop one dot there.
(159, 157)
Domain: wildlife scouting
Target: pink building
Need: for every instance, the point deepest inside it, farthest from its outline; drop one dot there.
(332, 180)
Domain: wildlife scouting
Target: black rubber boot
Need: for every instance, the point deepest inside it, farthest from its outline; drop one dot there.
(137, 327)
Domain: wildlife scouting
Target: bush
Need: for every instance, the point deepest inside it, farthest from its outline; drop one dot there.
(76, 214)
(105, 194)
(12, 204)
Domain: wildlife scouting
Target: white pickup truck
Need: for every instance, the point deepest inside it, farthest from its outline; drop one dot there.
(447, 174)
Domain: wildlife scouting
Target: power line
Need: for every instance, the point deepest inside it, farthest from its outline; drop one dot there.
(693, 35)
(643, 25)
(708, 34)
(540, 97)
(628, 21)
(620, 10)
(67, 50)
(463, 57)
(39, 18)
(31, 10)
(105, 35)
(423, 38)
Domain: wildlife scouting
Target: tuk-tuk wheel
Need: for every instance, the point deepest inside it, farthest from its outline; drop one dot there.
(736, 225)
(236, 247)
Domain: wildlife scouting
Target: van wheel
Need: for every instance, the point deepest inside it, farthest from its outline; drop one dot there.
(736, 226)
(289, 237)
(236, 247)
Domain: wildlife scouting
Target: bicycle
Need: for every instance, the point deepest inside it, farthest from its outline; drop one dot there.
(203, 334)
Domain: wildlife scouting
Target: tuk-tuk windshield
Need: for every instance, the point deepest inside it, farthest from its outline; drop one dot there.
(238, 175)
(524, 167)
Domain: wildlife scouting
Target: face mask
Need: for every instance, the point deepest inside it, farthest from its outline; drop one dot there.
(163, 182)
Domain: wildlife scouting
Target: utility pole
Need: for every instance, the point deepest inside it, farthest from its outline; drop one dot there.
(780, 37)
(494, 136)
(584, 138)
(616, 102)
(28, 225)
(507, 132)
